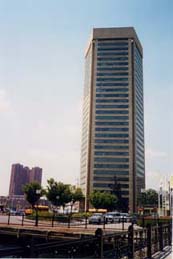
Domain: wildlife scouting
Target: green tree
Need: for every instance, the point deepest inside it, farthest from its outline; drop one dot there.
(77, 195)
(33, 192)
(109, 201)
(58, 193)
(149, 198)
(116, 190)
(103, 200)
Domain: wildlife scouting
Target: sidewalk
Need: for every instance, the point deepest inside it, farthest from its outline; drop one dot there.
(166, 254)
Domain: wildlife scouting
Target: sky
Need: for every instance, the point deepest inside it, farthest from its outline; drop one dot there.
(42, 46)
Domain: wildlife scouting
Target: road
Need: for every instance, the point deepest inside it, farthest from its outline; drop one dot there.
(17, 220)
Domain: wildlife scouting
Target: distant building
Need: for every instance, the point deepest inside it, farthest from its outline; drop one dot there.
(20, 176)
(35, 175)
(17, 202)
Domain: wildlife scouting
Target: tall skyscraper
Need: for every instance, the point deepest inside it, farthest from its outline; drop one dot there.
(113, 117)
(20, 176)
(36, 175)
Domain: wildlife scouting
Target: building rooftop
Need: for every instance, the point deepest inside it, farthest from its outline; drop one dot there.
(115, 33)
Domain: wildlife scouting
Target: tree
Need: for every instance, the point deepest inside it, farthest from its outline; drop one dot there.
(149, 198)
(116, 190)
(96, 199)
(58, 193)
(109, 201)
(77, 195)
(33, 192)
(103, 200)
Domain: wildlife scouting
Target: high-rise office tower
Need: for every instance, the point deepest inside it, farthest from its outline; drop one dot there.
(113, 117)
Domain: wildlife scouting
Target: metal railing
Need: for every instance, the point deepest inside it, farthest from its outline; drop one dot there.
(131, 244)
(68, 221)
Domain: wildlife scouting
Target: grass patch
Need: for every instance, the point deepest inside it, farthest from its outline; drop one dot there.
(149, 220)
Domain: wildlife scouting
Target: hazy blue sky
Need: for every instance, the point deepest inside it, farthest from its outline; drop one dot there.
(42, 45)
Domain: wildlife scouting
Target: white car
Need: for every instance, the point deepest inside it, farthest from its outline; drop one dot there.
(126, 217)
(96, 218)
(113, 217)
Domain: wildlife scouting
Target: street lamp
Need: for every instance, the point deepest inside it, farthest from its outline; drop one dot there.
(160, 200)
(171, 190)
(57, 199)
(38, 192)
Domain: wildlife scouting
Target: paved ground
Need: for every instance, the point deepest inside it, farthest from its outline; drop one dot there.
(167, 254)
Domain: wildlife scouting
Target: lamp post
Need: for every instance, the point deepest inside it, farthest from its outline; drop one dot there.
(54, 211)
(160, 200)
(36, 214)
(171, 189)
(57, 199)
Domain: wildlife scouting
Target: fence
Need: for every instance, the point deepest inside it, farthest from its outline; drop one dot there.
(67, 221)
(132, 244)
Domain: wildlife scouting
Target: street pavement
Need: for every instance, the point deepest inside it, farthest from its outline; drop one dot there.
(166, 254)
(13, 219)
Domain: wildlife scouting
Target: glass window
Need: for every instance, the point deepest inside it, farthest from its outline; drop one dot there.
(99, 90)
(112, 129)
(110, 159)
(112, 95)
(102, 64)
(112, 59)
(119, 106)
(110, 178)
(102, 172)
(111, 49)
(104, 153)
(112, 141)
(112, 123)
(123, 53)
(111, 165)
(104, 79)
(110, 147)
(112, 68)
(112, 43)
(112, 100)
(112, 117)
(111, 84)
(108, 185)
(113, 74)
(108, 135)
(112, 112)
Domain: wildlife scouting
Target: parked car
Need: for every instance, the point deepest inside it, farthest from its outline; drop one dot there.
(20, 213)
(134, 218)
(109, 218)
(126, 217)
(96, 218)
(13, 212)
(113, 217)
